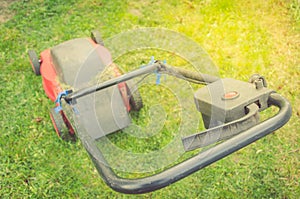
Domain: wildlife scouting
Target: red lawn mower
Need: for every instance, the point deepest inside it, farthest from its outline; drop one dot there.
(59, 66)
(230, 108)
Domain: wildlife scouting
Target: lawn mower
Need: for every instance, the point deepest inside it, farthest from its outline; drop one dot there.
(230, 108)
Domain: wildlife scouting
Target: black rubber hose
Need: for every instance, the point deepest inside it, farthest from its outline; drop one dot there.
(189, 75)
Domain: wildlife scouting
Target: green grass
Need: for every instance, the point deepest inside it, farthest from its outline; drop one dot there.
(242, 38)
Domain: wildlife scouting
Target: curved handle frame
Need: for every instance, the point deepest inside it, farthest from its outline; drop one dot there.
(189, 166)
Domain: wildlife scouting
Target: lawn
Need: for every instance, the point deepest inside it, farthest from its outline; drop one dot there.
(241, 37)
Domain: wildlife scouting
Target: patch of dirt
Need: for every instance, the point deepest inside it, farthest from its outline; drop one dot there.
(5, 13)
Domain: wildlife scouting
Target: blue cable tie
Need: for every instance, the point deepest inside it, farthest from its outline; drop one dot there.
(58, 100)
(158, 75)
(152, 60)
(75, 110)
(57, 109)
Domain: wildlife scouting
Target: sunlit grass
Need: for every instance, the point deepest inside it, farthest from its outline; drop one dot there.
(242, 38)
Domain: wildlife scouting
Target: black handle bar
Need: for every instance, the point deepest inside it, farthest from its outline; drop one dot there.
(157, 66)
(189, 166)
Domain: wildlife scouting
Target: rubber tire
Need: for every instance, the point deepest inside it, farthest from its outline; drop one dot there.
(135, 99)
(60, 126)
(35, 63)
(57, 121)
(96, 37)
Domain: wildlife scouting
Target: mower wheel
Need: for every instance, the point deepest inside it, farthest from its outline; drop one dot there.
(35, 63)
(96, 37)
(60, 126)
(135, 99)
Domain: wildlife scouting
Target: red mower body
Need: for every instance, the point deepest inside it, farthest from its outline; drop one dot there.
(73, 64)
(50, 74)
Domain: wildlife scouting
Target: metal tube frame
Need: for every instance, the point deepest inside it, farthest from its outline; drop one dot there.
(189, 166)
(157, 66)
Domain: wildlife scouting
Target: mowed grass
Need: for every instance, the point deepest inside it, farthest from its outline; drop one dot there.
(242, 38)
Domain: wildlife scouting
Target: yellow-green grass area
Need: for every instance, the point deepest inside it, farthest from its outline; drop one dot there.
(241, 37)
